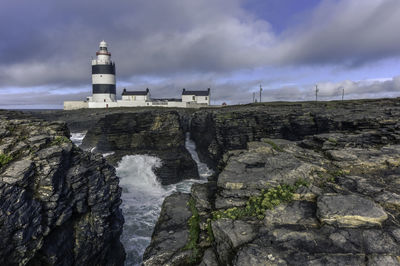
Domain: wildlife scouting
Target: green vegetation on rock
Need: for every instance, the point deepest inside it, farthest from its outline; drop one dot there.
(210, 233)
(5, 159)
(194, 231)
(273, 145)
(257, 205)
(58, 140)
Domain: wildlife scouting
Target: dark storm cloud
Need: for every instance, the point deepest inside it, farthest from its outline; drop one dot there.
(146, 37)
(50, 42)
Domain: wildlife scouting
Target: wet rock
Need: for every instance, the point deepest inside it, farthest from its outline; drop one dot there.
(202, 193)
(171, 232)
(18, 173)
(229, 235)
(255, 255)
(209, 258)
(349, 211)
(295, 213)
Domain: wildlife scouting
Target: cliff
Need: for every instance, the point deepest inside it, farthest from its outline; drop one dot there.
(59, 205)
(158, 133)
(298, 184)
(216, 131)
(83, 119)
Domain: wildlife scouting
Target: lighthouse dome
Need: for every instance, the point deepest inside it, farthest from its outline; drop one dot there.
(103, 44)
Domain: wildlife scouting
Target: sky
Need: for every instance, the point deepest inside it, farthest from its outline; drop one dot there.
(231, 46)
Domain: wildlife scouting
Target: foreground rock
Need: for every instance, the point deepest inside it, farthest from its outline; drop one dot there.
(316, 187)
(154, 133)
(334, 219)
(58, 204)
(171, 233)
(350, 211)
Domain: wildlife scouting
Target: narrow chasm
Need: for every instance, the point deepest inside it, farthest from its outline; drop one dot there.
(143, 195)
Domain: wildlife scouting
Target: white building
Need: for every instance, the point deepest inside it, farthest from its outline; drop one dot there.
(104, 90)
(143, 96)
(200, 97)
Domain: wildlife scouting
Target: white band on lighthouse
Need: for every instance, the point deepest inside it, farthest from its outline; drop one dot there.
(103, 79)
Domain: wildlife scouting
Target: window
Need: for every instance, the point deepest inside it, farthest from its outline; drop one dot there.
(194, 98)
(206, 97)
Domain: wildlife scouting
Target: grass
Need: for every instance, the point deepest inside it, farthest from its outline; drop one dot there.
(329, 177)
(210, 233)
(273, 145)
(257, 205)
(5, 159)
(58, 140)
(194, 231)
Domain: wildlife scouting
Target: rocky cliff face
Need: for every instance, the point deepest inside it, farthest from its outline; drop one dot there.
(216, 131)
(327, 192)
(159, 133)
(58, 204)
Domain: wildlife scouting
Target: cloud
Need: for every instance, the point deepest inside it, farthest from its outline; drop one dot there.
(157, 37)
(361, 89)
(347, 32)
(193, 43)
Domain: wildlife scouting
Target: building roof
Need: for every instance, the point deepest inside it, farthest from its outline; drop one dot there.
(196, 93)
(125, 92)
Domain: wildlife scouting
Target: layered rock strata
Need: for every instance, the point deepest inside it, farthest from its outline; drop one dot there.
(58, 204)
(329, 195)
(217, 131)
(155, 133)
(338, 217)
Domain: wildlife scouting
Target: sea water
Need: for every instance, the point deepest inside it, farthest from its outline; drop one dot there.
(142, 196)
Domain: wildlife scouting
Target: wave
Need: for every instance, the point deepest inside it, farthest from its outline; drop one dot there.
(77, 138)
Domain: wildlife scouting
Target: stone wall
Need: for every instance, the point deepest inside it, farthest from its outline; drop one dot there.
(73, 105)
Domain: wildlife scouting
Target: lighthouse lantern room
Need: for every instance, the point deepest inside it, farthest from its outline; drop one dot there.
(103, 76)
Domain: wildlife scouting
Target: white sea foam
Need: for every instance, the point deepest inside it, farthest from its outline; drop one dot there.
(204, 171)
(77, 138)
(108, 154)
(142, 197)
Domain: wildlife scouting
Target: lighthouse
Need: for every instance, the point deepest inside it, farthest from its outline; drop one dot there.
(103, 76)
(104, 91)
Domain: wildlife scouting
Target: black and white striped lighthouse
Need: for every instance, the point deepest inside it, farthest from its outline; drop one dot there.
(103, 76)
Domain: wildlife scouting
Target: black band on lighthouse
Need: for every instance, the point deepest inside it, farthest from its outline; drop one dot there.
(104, 88)
(103, 69)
